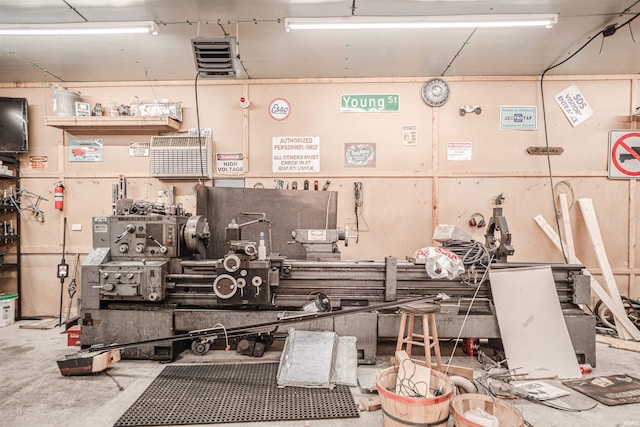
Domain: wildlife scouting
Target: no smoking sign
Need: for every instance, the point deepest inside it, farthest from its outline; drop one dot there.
(624, 154)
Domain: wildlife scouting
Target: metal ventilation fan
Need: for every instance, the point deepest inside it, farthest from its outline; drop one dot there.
(216, 57)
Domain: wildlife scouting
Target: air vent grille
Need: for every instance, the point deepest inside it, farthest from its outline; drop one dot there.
(216, 57)
(180, 157)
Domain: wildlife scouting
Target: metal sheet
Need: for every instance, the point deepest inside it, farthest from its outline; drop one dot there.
(534, 334)
(307, 359)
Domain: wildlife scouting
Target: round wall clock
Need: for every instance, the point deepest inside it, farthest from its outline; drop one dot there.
(435, 92)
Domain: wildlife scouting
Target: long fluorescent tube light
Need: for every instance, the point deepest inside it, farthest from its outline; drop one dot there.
(134, 27)
(410, 22)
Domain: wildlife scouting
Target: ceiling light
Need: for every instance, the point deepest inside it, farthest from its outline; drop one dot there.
(410, 22)
(134, 27)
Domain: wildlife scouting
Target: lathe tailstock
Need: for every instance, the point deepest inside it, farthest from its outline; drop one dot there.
(152, 275)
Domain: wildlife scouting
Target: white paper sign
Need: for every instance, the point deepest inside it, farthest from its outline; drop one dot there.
(573, 105)
(459, 151)
(296, 154)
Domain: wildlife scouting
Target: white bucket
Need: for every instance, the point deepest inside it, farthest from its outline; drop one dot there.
(64, 102)
(7, 309)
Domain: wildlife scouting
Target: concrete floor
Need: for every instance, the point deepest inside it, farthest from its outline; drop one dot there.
(34, 393)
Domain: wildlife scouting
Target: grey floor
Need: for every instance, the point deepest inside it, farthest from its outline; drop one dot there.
(33, 393)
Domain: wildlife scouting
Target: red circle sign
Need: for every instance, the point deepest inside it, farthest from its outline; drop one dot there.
(621, 144)
(279, 109)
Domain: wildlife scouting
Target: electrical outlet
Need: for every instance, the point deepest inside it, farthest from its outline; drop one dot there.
(76, 227)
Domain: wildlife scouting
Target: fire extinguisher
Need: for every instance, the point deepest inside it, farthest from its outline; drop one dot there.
(58, 196)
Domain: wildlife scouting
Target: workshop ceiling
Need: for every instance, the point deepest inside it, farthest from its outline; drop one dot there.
(267, 51)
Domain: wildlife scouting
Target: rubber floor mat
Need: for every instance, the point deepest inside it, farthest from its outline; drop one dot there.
(232, 393)
(612, 390)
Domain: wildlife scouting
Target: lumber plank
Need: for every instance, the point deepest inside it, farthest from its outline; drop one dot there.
(622, 320)
(618, 343)
(593, 229)
(568, 234)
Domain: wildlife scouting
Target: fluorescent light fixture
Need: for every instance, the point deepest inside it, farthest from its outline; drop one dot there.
(410, 22)
(133, 27)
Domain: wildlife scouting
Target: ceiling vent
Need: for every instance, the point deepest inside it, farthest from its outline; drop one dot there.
(180, 157)
(216, 57)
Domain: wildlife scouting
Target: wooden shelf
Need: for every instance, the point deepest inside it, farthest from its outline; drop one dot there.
(123, 125)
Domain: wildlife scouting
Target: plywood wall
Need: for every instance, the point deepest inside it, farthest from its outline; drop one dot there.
(410, 190)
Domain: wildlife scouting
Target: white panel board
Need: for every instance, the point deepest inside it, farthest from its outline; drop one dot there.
(534, 334)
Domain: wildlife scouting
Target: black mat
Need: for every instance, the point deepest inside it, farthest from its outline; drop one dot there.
(611, 391)
(232, 393)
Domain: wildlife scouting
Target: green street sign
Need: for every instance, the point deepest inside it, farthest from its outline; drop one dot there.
(387, 103)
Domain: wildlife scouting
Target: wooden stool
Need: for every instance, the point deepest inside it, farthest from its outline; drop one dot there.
(426, 340)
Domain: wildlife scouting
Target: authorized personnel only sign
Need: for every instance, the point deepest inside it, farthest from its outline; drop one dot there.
(296, 154)
(624, 154)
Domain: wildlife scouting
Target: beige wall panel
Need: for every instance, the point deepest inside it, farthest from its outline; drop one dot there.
(396, 217)
(494, 150)
(527, 198)
(586, 145)
(315, 111)
(40, 286)
(219, 110)
(634, 288)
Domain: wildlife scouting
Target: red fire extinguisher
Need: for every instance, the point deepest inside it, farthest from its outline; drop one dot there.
(58, 196)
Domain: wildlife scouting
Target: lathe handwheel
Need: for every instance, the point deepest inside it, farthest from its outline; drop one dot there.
(199, 347)
(225, 286)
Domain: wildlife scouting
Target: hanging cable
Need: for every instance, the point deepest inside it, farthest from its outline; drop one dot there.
(202, 175)
(466, 316)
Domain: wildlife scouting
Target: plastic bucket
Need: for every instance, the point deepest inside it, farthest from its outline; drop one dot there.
(7, 309)
(399, 411)
(507, 414)
(64, 102)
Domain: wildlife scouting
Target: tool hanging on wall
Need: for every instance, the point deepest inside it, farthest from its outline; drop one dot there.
(63, 268)
(477, 220)
(31, 205)
(73, 287)
(360, 221)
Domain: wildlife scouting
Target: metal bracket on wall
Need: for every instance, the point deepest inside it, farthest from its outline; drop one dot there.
(554, 151)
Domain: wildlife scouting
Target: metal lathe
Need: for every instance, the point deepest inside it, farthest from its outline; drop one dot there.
(155, 272)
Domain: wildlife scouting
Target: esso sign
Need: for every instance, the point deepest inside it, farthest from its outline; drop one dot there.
(279, 109)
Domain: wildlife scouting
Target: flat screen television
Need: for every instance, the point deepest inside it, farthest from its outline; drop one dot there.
(14, 124)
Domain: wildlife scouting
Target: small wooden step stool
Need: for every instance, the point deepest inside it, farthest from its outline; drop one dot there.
(426, 339)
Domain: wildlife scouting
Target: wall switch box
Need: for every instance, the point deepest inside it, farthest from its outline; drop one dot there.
(76, 227)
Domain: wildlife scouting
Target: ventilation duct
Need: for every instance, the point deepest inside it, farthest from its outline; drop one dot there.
(216, 57)
(180, 157)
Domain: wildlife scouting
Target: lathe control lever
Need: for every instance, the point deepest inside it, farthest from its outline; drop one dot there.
(163, 248)
(130, 229)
